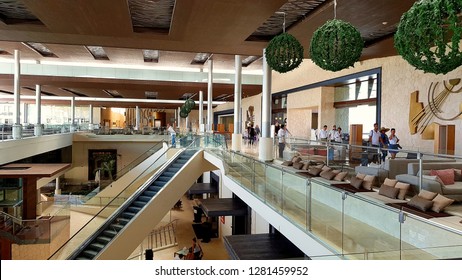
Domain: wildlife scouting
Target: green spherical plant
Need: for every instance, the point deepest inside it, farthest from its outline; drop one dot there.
(183, 112)
(336, 45)
(190, 104)
(429, 34)
(284, 53)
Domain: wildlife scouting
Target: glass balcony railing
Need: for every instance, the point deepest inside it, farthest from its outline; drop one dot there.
(352, 226)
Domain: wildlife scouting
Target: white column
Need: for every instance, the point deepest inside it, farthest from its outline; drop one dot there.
(137, 118)
(237, 134)
(17, 127)
(179, 119)
(209, 97)
(266, 141)
(73, 125)
(38, 105)
(201, 111)
(57, 189)
(90, 121)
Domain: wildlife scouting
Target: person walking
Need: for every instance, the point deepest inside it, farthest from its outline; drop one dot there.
(172, 133)
(257, 132)
(332, 133)
(384, 142)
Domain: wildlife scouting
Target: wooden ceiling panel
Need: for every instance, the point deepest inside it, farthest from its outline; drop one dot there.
(102, 17)
(71, 52)
(125, 56)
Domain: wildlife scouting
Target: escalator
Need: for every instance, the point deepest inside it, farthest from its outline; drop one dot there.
(119, 223)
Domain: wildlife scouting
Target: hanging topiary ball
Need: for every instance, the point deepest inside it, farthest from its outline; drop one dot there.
(185, 108)
(190, 104)
(429, 34)
(183, 112)
(284, 53)
(336, 45)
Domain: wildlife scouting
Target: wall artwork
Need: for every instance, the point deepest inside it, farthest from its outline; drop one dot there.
(421, 118)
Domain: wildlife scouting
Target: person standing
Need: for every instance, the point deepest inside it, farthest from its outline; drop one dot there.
(384, 142)
(172, 133)
(332, 133)
(323, 134)
(338, 135)
(374, 136)
(282, 134)
(393, 140)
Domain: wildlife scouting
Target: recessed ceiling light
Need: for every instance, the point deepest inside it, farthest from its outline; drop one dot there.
(385, 22)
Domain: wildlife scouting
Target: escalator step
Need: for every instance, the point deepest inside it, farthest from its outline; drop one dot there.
(96, 246)
(174, 170)
(177, 165)
(128, 215)
(138, 203)
(163, 178)
(169, 174)
(123, 221)
(149, 193)
(116, 227)
(133, 209)
(103, 239)
(109, 233)
(82, 258)
(90, 253)
(159, 183)
(144, 198)
(154, 188)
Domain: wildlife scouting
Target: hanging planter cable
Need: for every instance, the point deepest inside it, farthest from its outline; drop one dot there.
(429, 35)
(284, 52)
(336, 45)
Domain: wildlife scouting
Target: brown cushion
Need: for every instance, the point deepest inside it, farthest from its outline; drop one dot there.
(314, 171)
(287, 163)
(427, 194)
(420, 203)
(341, 176)
(306, 166)
(360, 176)
(296, 159)
(356, 182)
(390, 182)
(403, 189)
(328, 175)
(297, 165)
(440, 202)
(368, 182)
(388, 191)
(457, 175)
(336, 171)
(326, 168)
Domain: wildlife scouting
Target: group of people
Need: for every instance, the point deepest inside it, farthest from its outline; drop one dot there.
(333, 135)
(379, 138)
(193, 253)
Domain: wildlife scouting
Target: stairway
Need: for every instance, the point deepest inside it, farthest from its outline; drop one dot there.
(129, 210)
(164, 237)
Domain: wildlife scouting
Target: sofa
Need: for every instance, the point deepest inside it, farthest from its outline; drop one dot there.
(393, 167)
(430, 183)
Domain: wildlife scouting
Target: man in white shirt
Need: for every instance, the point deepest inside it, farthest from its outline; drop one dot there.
(323, 134)
(374, 136)
(282, 134)
(332, 133)
(172, 133)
